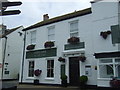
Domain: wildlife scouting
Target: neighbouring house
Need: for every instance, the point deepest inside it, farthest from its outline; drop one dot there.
(11, 45)
(85, 42)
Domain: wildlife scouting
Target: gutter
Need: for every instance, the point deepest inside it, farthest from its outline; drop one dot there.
(23, 57)
(4, 53)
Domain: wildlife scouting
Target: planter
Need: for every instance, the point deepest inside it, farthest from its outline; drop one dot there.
(105, 34)
(115, 83)
(49, 44)
(36, 82)
(60, 59)
(83, 80)
(64, 80)
(30, 47)
(37, 72)
(64, 83)
(82, 58)
(73, 40)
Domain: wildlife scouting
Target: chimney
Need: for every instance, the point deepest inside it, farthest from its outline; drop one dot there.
(45, 17)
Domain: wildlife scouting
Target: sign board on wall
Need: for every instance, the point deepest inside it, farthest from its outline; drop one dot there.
(41, 53)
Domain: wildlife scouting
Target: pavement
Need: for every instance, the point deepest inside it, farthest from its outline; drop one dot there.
(43, 87)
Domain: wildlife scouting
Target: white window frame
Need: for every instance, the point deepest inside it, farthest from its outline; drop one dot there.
(113, 63)
(53, 34)
(77, 29)
(33, 38)
(30, 77)
(50, 78)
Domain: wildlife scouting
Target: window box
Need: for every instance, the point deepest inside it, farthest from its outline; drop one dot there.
(73, 40)
(30, 47)
(49, 44)
(115, 83)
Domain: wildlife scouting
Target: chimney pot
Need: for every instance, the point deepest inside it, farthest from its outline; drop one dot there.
(45, 17)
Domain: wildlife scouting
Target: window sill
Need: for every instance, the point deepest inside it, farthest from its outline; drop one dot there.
(30, 78)
(49, 79)
(106, 79)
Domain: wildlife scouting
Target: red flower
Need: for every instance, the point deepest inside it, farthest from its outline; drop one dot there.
(73, 40)
(30, 47)
(49, 44)
(82, 58)
(105, 34)
(37, 72)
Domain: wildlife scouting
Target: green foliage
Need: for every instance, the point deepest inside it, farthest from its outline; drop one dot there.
(64, 77)
(83, 79)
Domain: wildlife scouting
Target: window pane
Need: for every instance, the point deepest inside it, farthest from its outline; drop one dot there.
(51, 33)
(73, 26)
(74, 34)
(118, 71)
(33, 37)
(117, 60)
(31, 69)
(106, 61)
(50, 68)
(106, 71)
(51, 37)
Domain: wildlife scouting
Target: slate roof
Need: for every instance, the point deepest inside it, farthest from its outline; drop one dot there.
(9, 31)
(60, 18)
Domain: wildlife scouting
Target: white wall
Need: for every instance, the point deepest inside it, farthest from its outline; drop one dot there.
(104, 15)
(61, 36)
(13, 54)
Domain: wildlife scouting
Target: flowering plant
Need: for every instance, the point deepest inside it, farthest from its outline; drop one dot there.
(82, 58)
(73, 40)
(49, 44)
(37, 72)
(115, 83)
(30, 47)
(61, 59)
(105, 34)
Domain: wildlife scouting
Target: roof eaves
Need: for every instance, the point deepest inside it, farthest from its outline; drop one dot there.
(60, 18)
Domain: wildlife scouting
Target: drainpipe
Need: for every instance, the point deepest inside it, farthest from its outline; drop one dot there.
(119, 22)
(4, 53)
(23, 57)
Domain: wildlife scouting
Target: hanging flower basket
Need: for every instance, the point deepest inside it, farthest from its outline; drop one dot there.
(30, 47)
(82, 58)
(61, 59)
(73, 40)
(37, 72)
(49, 44)
(105, 34)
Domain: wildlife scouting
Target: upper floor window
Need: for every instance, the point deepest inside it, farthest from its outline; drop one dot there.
(51, 33)
(31, 69)
(74, 29)
(50, 68)
(33, 37)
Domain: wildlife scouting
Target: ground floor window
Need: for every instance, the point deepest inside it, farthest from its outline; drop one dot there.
(50, 68)
(109, 68)
(31, 69)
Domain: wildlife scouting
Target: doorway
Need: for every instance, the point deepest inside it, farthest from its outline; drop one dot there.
(74, 71)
